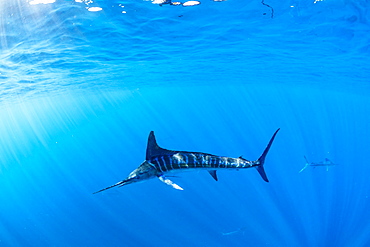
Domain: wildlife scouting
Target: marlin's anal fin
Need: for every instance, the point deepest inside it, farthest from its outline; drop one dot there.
(213, 174)
(169, 182)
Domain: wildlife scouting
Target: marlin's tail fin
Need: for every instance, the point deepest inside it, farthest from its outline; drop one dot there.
(306, 165)
(261, 160)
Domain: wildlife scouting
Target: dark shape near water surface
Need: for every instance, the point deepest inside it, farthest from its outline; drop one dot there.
(160, 161)
(326, 163)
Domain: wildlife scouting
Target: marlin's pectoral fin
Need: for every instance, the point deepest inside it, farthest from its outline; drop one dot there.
(213, 174)
(169, 182)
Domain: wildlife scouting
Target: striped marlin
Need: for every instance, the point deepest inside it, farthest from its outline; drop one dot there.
(160, 161)
(326, 163)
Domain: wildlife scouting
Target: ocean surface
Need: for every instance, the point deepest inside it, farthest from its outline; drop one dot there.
(82, 83)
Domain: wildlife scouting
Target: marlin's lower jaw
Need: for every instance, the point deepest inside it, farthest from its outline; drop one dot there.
(119, 184)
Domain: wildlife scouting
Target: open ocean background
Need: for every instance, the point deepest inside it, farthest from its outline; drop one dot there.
(82, 83)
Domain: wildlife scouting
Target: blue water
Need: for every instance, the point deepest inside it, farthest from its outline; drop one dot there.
(80, 91)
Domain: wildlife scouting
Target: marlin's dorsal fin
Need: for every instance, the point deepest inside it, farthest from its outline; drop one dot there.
(306, 159)
(213, 174)
(153, 149)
